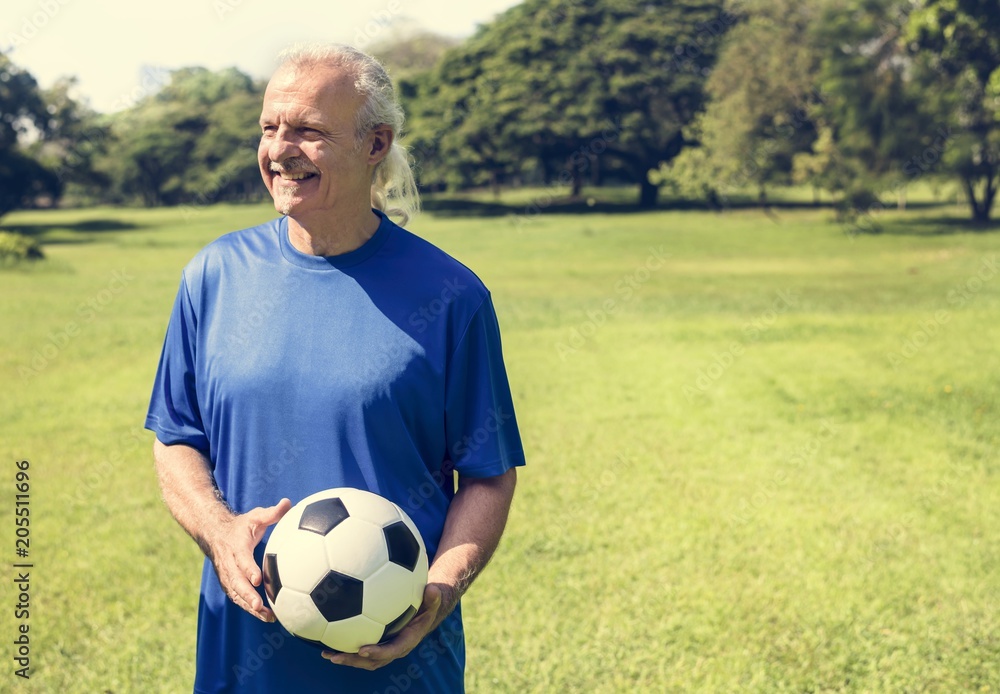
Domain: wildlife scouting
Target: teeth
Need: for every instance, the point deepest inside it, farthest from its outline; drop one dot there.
(294, 176)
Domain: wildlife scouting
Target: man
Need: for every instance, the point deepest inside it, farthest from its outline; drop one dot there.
(326, 348)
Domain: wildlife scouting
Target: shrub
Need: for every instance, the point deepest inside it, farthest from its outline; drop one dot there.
(16, 248)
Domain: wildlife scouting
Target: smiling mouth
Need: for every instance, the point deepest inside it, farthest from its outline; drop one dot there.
(295, 176)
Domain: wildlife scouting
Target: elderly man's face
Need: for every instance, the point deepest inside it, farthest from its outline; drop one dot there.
(308, 155)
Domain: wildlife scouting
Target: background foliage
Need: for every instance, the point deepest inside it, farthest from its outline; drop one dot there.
(701, 98)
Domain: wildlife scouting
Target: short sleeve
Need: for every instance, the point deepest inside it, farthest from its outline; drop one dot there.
(174, 414)
(481, 430)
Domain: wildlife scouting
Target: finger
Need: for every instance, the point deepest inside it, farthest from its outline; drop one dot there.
(264, 517)
(429, 608)
(263, 614)
(239, 578)
(400, 644)
(353, 660)
(247, 567)
(260, 519)
(255, 607)
(432, 600)
(411, 635)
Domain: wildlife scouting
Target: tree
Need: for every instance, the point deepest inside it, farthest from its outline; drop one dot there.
(875, 111)
(646, 108)
(568, 85)
(955, 45)
(907, 93)
(75, 138)
(192, 142)
(155, 155)
(411, 53)
(698, 172)
(762, 99)
(22, 111)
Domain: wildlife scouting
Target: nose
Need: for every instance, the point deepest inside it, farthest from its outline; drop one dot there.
(282, 145)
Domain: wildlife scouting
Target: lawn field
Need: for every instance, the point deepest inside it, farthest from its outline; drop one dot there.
(762, 452)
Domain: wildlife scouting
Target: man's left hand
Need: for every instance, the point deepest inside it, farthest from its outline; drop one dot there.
(432, 612)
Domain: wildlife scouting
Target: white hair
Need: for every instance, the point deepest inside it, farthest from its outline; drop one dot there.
(394, 190)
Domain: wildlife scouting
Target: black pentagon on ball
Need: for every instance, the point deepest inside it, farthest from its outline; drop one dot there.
(272, 581)
(323, 516)
(338, 596)
(403, 547)
(396, 625)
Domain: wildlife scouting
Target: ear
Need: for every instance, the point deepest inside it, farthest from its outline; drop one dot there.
(381, 142)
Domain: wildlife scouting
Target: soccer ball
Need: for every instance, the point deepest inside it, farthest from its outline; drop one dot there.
(345, 568)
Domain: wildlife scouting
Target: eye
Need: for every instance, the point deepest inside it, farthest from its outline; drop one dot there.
(269, 129)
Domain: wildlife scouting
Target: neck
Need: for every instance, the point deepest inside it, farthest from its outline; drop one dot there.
(332, 234)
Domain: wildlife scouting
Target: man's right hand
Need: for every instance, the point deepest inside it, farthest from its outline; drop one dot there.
(230, 546)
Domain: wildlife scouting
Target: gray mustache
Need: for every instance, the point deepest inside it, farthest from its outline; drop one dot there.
(293, 166)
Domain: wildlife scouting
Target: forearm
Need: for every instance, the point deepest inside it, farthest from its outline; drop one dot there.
(226, 538)
(472, 530)
(189, 491)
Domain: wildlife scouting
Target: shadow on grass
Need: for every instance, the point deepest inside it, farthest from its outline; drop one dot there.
(461, 207)
(542, 205)
(936, 226)
(85, 229)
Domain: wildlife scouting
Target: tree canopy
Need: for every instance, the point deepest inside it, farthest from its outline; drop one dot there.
(712, 97)
(22, 111)
(566, 87)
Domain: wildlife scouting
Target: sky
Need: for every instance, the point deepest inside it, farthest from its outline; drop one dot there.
(120, 49)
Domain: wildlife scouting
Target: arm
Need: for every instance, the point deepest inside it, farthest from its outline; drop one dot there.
(226, 538)
(476, 520)
(472, 529)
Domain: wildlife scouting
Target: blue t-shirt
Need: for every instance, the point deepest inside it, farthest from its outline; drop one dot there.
(379, 369)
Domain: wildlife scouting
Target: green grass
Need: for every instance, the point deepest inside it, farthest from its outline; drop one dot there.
(726, 491)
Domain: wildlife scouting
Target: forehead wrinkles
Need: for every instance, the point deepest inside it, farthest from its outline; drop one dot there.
(317, 91)
(287, 110)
